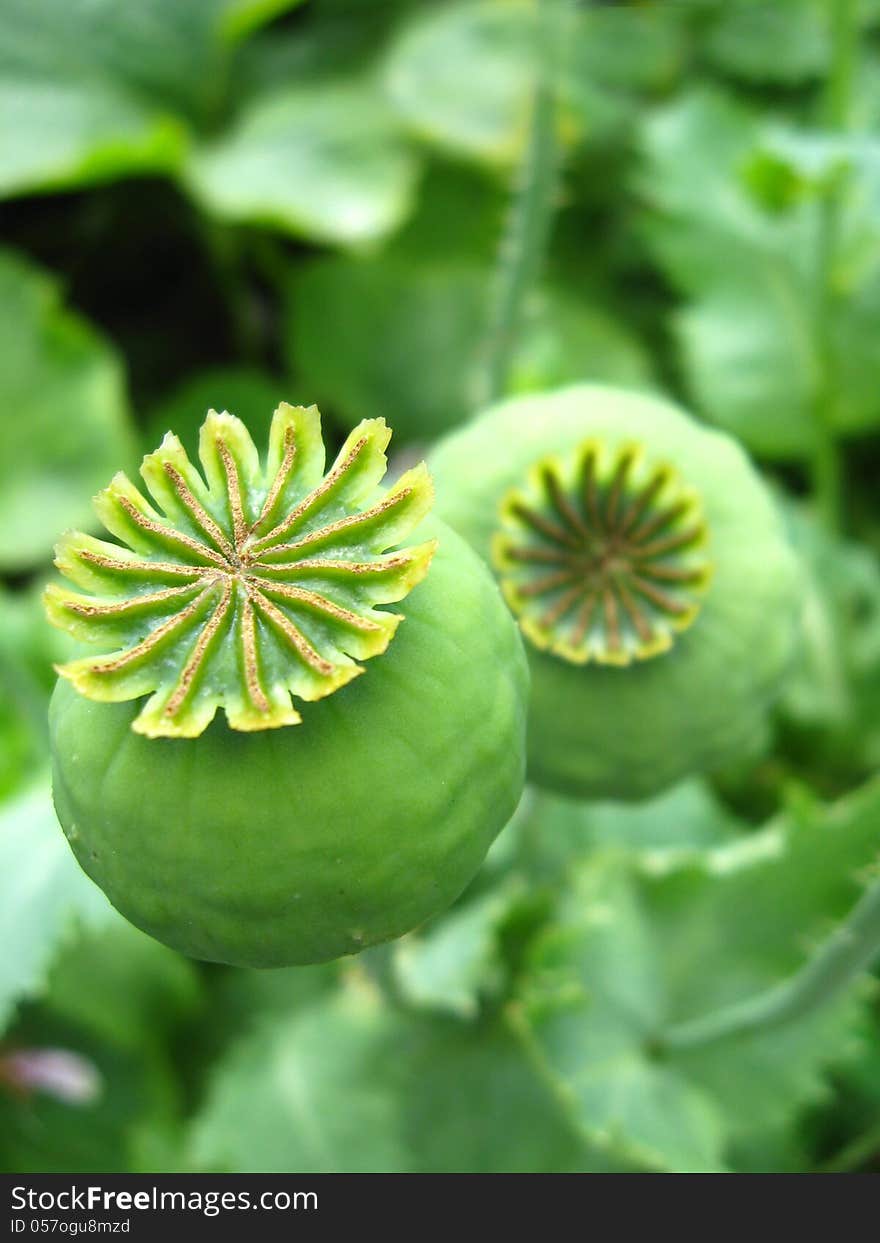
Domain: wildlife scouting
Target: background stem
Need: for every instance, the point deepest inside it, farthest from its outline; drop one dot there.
(851, 949)
(837, 106)
(531, 213)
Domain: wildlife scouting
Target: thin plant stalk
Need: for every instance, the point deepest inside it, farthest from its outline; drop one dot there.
(837, 107)
(849, 951)
(531, 215)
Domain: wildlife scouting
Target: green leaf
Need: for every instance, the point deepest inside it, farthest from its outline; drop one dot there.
(462, 960)
(591, 1007)
(848, 1128)
(24, 697)
(64, 426)
(93, 90)
(90, 90)
(703, 219)
(331, 38)
(736, 218)
(833, 692)
(303, 1093)
(28, 649)
(459, 77)
(747, 350)
(308, 1093)
(169, 56)
(553, 832)
(641, 944)
(512, 1122)
(122, 986)
(406, 337)
(60, 135)
(238, 18)
(456, 961)
(771, 896)
(462, 77)
(324, 162)
(786, 42)
(246, 392)
(45, 893)
(629, 47)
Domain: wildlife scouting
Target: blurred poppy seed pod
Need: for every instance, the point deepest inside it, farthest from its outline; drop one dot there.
(644, 561)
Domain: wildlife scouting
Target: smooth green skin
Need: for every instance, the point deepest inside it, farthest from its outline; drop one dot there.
(628, 733)
(305, 843)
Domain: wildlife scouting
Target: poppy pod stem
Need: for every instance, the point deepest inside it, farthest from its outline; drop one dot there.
(837, 104)
(531, 213)
(850, 950)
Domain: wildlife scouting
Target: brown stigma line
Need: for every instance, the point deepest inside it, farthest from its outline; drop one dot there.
(603, 558)
(245, 586)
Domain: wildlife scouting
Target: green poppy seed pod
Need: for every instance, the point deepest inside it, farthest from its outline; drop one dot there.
(240, 786)
(643, 558)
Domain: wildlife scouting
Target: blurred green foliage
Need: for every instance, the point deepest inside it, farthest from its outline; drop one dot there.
(234, 202)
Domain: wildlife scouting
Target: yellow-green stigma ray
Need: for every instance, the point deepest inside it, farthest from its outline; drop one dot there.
(197, 658)
(341, 525)
(82, 606)
(255, 691)
(314, 600)
(113, 664)
(233, 487)
(202, 519)
(310, 502)
(217, 615)
(279, 483)
(136, 566)
(320, 565)
(604, 557)
(149, 526)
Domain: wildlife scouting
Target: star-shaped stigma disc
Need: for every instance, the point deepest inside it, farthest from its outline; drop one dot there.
(603, 558)
(241, 588)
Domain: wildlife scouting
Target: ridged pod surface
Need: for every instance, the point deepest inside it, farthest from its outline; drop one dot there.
(219, 815)
(644, 560)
